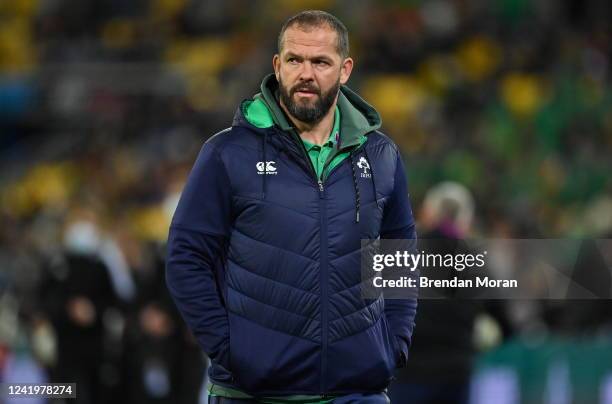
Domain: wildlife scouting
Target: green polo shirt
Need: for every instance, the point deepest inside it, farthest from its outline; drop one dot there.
(319, 154)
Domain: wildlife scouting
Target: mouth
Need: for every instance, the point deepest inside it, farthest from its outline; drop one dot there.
(305, 92)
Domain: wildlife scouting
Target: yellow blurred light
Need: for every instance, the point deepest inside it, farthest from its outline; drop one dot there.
(50, 185)
(478, 57)
(201, 61)
(118, 33)
(16, 201)
(17, 51)
(284, 8)
(399, 99)
(151, 224)
(200, 56)
(522, 93)
(203, 92)
(395, 96)
(167, 9)
(21, 8)
(436, 73)
(44, 186)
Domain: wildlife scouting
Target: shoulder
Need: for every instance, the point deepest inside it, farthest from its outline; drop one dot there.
(378, 140)
(382, 147)
(385, 161)
(231, 138)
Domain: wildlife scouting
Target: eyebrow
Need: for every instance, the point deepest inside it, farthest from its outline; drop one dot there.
(315, 57)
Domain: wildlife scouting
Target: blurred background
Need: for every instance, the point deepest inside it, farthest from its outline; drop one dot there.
(502, 109)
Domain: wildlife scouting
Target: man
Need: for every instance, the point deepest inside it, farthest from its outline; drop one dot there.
(264, 248)
(442, 356)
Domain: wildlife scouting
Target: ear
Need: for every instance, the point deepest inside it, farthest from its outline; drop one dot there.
(345, 70)
(276, 65)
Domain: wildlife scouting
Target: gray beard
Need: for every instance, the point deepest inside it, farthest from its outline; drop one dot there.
(309, 114)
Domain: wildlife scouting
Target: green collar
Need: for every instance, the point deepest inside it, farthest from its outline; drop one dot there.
(357, 117)
(332, 140)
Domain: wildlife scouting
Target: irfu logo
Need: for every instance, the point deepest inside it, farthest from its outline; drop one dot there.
(365, 166)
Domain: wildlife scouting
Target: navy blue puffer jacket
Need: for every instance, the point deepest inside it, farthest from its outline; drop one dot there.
(264, 260)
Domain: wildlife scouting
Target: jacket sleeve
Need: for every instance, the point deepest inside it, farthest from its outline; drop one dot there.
(196, 245)
(398, 223)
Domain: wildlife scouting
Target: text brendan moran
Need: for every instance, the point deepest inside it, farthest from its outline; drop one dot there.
(424, 282)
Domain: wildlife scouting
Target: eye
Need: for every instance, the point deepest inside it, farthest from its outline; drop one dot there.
(292, 60)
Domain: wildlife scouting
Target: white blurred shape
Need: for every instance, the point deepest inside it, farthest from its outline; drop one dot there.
(439, 16)
(606, 389)
(499, 385)
(558, 385)
(118, 269)
(82, 237)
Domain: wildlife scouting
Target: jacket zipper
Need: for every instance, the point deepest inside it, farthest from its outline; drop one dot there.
(354, 151)
(323, 276)
(323, 270)
(324, 280)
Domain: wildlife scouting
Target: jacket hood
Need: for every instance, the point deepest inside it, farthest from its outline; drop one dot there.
(357, 117)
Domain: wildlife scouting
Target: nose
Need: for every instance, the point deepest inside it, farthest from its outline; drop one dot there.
(307, 71)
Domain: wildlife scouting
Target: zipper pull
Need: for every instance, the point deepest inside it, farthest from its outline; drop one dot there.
(320, 185)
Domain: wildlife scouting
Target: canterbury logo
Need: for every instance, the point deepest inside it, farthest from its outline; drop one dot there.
(266, 167)
(365, 166)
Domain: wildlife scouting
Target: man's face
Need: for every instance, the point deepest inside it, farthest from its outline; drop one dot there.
(310, 71)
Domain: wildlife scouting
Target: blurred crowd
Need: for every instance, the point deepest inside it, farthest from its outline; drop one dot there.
(104, 105)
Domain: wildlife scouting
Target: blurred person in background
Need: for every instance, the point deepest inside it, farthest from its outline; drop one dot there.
(79, 299)
(162, 361)
(264, 247)
(445, 342)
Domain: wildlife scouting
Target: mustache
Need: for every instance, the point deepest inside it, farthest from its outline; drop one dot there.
(305, 87)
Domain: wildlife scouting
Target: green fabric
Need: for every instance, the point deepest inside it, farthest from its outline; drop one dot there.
(221, 391)
(296, 399)
(357, 118)
(257, 113)
(319, 154)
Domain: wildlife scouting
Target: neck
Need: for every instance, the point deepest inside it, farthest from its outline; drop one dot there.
(316, 133)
